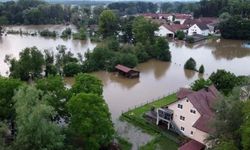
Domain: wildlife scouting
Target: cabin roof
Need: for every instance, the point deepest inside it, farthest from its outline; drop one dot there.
(124, 68)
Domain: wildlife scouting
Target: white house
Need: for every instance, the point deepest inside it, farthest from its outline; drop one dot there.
(170, 30)
(201, 29)
(181, 17)
(191, 115)
(165, 31)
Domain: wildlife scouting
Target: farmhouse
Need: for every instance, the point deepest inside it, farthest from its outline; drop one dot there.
(170, 30)
(199, 28)
(190, 115)
(127, 72)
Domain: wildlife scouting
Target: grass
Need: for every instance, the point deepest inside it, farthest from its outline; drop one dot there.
(160, 143)
(124, 144)
(163, 139)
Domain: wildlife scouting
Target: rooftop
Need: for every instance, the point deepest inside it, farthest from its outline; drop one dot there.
(192, 145)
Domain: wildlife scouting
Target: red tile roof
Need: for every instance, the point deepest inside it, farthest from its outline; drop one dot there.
(175, 27)
(183, 92)
(182, 16)
(202, 101)
(192, 145)
(203, 20)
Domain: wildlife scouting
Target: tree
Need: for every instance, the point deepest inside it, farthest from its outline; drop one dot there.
(144, 30)
(108, 23)
(141, 53)
(224, 81)
(160, 50)
(7, 89)
(35, 130)
(85, 83)
(71, 69)
(90, 121)
(29, 64)
(227, 122)
(201, 69)
(180, 35)
(245, 127)
(201, 84)
(190, 64)
(81, 35)
(129, 60)
(54, 85)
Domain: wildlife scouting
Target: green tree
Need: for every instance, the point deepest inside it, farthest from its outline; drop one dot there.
(180, 35)
(54, 85)
(29, 64)
(108, 23)
(7, 89)
(81, 35)
(245, 127)
(141, 53)
(71, 69)
(190, 64)
(144, 30)
(129, 60)
(85, 83)
(90, 121)
(200, 84)
(160, 50)
(225, 81)
(201, 69)
(35, 130)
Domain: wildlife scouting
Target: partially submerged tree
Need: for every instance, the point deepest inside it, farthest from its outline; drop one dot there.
(108, 23)
(200, 84)
(190, 64)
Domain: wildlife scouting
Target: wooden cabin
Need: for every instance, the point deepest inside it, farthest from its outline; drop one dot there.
(127, 72)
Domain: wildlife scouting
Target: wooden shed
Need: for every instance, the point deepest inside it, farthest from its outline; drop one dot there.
(127, 72)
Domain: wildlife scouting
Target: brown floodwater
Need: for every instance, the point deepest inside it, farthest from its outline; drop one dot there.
(157, 78)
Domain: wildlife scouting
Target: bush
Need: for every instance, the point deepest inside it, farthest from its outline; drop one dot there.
(190, 64)
(71, 69)
(180, 35)
(47, 33)
(81, 35)
(66, 33)
(190, 39)
(200, 84)
(201, 69)
(128, 60)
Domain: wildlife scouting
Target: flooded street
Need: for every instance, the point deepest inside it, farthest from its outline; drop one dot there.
(157, 78)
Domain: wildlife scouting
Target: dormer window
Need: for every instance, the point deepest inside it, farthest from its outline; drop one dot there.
(180, 106)
(192, 111)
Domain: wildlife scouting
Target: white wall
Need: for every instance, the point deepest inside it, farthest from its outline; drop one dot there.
(190, 119)
(163, 31)
(196, 29)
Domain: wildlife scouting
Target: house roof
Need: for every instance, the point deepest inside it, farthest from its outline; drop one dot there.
(202, 26)
(183, 92)
(202, 101)
(124, 68)
(182, 16)
(192, 145)
(175, 27)
(202, 20)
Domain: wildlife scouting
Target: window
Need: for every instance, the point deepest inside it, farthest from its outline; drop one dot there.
(191, 132)
(180, 106)
(182, 128)
(182, 118)
(192, 111)
(187, 100)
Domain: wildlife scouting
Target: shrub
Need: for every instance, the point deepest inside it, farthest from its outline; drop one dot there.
(81, 35)
(201, 69)
(71, 69)
(129, 60)
(47, 33)
(200, 84)
(180, 35)
(190, 64)
(66, 33)
(190, 39)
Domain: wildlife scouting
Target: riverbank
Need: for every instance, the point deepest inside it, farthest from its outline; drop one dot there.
(163, 139)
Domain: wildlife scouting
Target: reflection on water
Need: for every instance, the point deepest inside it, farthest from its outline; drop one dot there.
(189, 73)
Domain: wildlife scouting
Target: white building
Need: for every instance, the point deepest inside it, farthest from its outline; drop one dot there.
(170, 30)
(201, 29)
(191, 114)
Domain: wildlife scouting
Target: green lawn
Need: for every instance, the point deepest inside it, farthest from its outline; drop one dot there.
(160, 143)
(163, 138)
